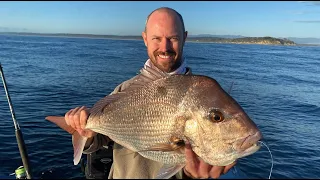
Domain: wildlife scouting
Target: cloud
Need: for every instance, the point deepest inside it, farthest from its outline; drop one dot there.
(303, 12)
(9, 29)
(307, 21)
(317, 3)
(4, 27)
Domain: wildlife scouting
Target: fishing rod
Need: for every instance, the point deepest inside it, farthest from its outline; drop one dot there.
(19, 137)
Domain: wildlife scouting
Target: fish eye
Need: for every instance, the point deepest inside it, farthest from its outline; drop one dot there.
(216, 116)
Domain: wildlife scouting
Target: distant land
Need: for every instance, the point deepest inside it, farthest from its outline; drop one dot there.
(208, 38)
(315, 41)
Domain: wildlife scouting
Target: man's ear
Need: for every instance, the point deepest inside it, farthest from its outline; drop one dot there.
(185, 35)
(144, 36)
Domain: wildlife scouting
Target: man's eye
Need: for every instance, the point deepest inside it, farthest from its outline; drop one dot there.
(175, 39)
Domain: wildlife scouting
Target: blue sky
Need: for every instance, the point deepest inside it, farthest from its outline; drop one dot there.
(276, 19)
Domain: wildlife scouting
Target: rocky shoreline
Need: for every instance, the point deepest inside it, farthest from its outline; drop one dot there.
(245, 40)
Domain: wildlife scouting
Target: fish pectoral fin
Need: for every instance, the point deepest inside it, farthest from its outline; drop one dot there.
(61, 122)
(177, 146)
(160, 147)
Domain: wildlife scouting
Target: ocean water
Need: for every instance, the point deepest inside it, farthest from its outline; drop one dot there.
(278, 86)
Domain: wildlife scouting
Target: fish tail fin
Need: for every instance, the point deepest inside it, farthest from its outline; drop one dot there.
(61, 122)
(78, 143)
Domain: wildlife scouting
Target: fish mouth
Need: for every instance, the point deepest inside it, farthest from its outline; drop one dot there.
(248, 145)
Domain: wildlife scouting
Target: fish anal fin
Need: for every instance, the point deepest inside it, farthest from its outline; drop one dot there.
(167, 171)
(61, 122)
(78, 143)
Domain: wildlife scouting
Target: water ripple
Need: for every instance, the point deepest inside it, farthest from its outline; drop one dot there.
(277, 86)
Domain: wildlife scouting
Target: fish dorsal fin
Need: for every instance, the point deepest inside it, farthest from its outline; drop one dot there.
(152, 73)
(98, 107)
(146, 76)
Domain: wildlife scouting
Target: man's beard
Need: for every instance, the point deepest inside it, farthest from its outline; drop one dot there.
(169, 66)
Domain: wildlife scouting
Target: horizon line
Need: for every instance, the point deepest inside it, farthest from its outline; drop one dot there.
(204, 35)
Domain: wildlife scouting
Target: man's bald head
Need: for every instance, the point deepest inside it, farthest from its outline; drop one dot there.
(169, 11)
(164, 37)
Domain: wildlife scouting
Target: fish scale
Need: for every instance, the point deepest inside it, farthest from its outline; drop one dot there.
(152, 116)
(157, 107)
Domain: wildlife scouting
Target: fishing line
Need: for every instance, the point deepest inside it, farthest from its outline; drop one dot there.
(271, 157)
(230, 87)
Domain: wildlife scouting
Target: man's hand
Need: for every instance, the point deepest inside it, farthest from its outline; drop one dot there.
(197, 168)
(77, 119)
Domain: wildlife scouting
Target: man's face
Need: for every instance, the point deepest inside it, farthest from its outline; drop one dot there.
(164, 39)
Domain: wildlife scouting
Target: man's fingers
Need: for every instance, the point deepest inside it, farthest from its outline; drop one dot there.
(216, 171)
(66, 117)
(228, 167)
(191, 157)
(83, 117)
(74, 111)
(191, 161)
(77, 118)
(72, 117)
(204, 169)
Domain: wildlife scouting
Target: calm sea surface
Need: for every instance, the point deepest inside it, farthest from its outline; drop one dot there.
(278, 86)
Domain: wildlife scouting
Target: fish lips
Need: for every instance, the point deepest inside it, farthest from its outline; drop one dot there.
(248, 145)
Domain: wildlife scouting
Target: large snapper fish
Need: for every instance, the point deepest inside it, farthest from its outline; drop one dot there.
(158, 113)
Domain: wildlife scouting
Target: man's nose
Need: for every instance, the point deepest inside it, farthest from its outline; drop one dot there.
(165, 45)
